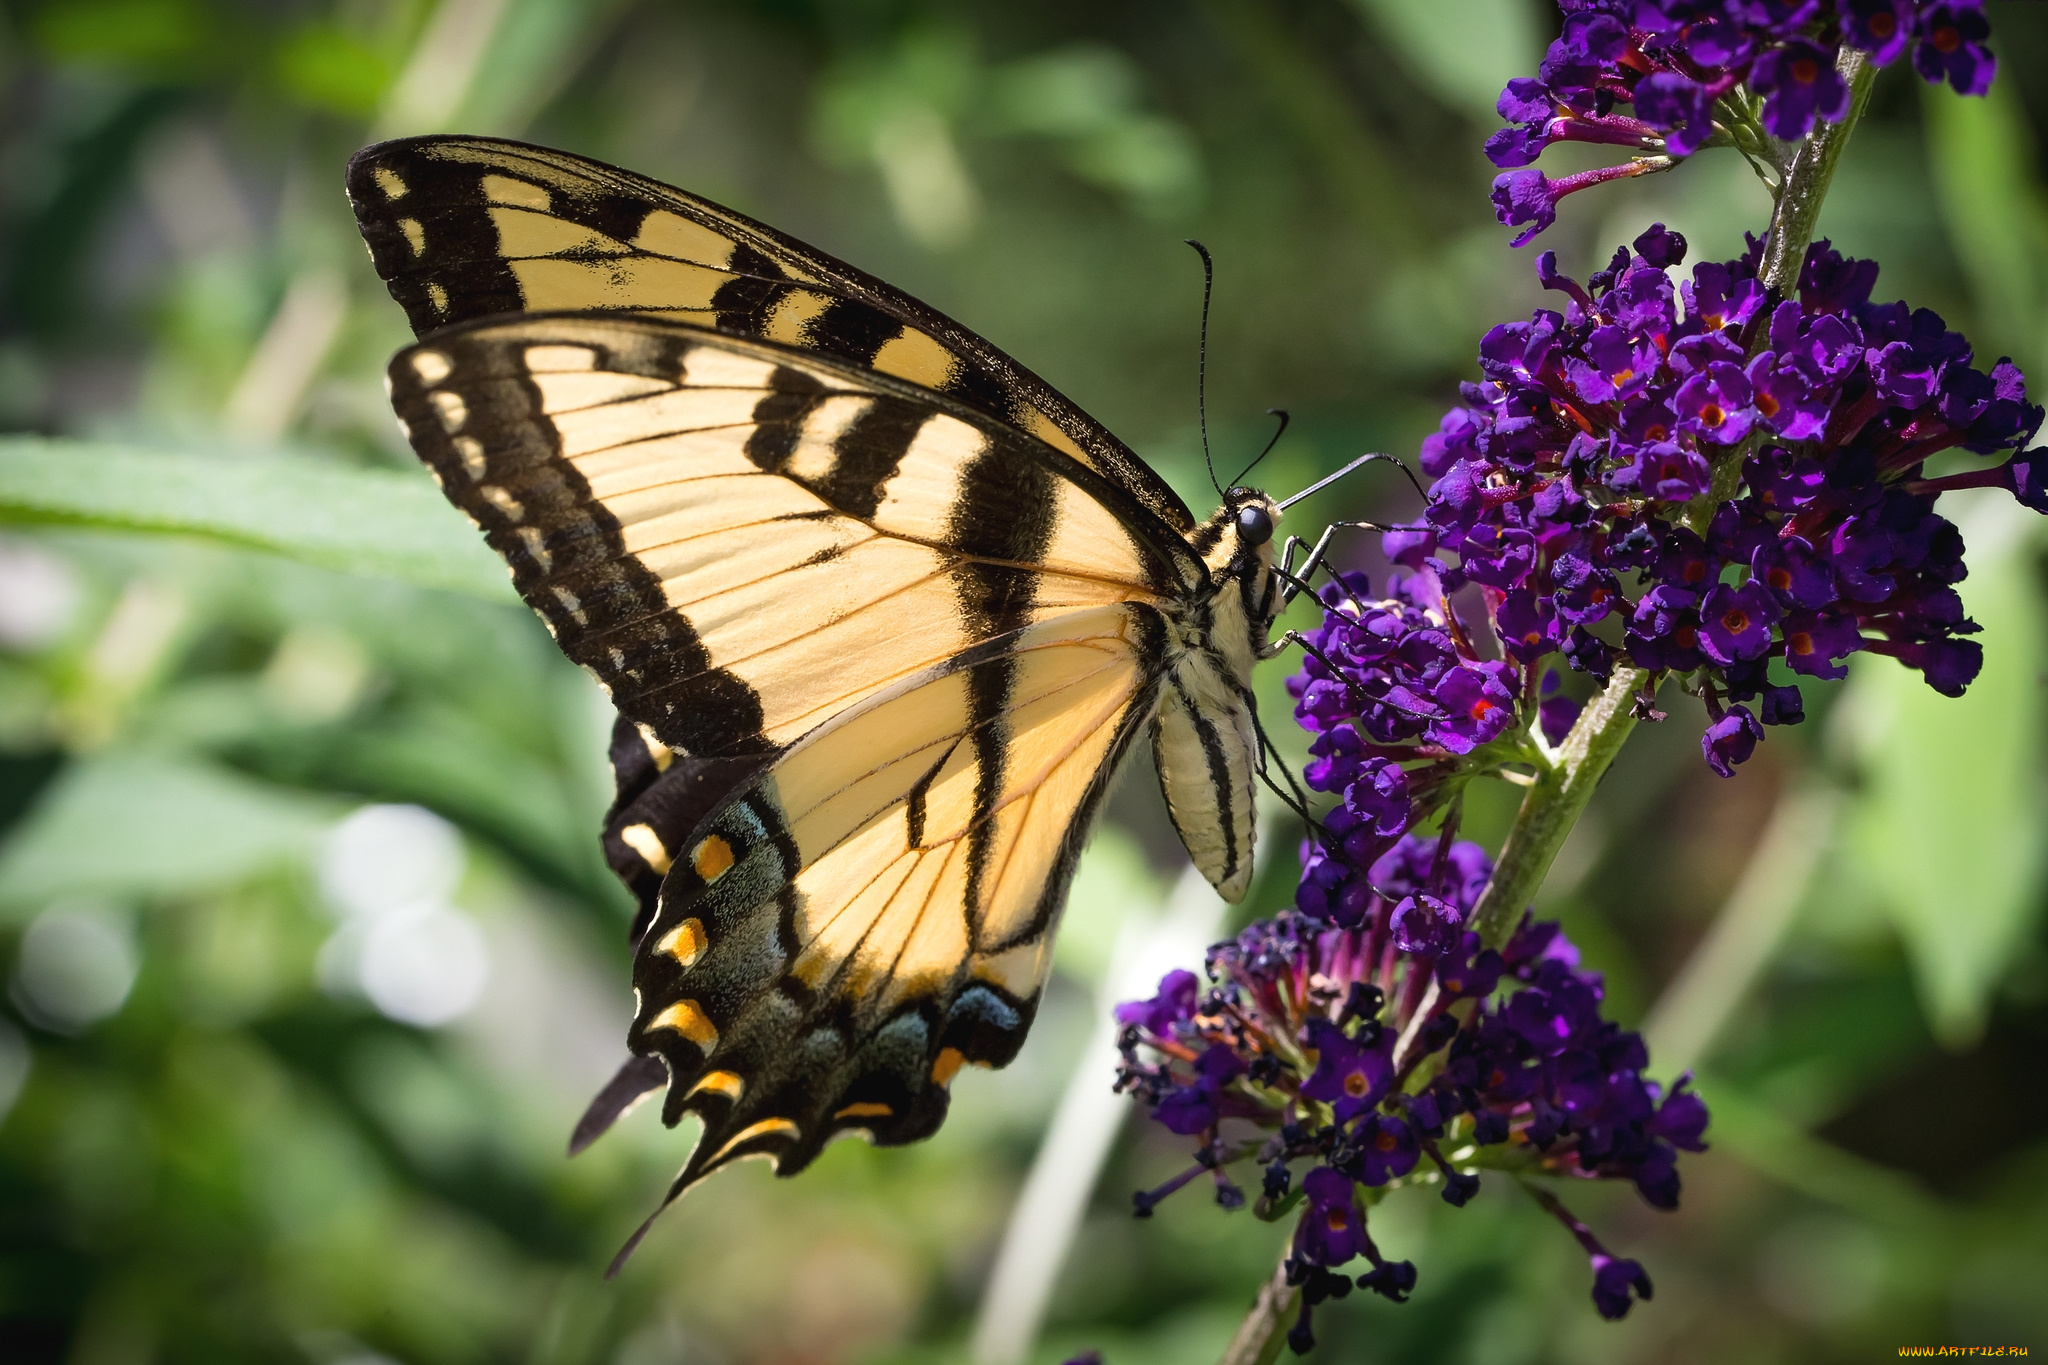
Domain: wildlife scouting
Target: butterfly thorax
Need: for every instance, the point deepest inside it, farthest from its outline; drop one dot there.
(1231, 621)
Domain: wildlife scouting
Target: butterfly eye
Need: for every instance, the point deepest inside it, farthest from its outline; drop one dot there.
(1254, 526)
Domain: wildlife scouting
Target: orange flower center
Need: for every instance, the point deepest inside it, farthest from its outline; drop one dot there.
(1947, 38)
(1736, 620)
(1801, 642)
(1767, 405)
(1805, 70)
(1711, 415)
(1356, 1085)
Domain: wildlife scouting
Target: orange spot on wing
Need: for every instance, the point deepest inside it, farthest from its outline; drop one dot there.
(712, 857)
(866, 1109)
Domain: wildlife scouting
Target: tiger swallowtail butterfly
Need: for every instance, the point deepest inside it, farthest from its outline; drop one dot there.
(882, 614)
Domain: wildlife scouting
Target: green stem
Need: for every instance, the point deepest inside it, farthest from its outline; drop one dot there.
(1806, 182)
(1264, 1329)
(1554, 804)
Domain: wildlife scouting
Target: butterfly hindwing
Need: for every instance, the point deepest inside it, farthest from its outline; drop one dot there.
(739, 539)
(896, 876)
(462, 228)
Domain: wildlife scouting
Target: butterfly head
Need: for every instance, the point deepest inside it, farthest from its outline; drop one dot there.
(1240, 536)
(1236, 545)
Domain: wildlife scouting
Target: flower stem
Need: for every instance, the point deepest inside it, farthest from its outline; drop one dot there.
(1554, 804)
(1806, 181)
(1264, 1329)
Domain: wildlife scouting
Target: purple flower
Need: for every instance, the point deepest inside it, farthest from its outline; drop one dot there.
(1813, 643)
(1386, 1149)
(1880, 27)
(1719, 296)
(1793, 573)
(1680, 106)
(1616, 1286)
(1378, 796)
(1526, 100)
(1425, 926)
(1681, 1119)
(1529, 196)
(1730, 740)
(1664, 470)
(1715, 404)
(1471, 971)
(1527, 625)
(1524, 197)
(1557, 715)
(1476, 707)
(1349, 1077)
(1787, 402)
(1948, 665)
(1192, 1108)
(1951, 47)
(1660, 246)
(1331, 1231)
(1799, 83)
(1736, 622)
(1175, 1004)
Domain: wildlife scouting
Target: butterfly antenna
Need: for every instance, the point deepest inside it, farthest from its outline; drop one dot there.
(1281, 413)
(1202, 363)
(1368, 458)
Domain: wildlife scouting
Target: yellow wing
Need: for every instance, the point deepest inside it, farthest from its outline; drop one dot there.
(877, 906)
(462, 228)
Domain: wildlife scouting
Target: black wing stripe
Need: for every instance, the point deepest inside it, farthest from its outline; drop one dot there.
(579, 572)
(426, 208)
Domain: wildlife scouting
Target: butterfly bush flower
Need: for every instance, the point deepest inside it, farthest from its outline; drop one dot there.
(1353, 1051)
(1699, 73)
(1394, 681)
(1566, 479)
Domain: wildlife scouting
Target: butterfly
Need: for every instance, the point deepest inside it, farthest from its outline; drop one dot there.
(882, 613)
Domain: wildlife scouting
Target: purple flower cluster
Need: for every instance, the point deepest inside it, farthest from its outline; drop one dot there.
(1387, 682)
(1393, 1048)
(1674, 61)
(1564, 479)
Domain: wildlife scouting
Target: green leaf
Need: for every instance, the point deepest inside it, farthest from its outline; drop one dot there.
(364, 521)
(128, 824)
(1949, 821)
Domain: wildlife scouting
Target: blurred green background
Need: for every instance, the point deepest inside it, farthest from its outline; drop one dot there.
(309, 954)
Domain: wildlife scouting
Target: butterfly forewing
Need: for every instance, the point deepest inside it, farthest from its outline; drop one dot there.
(742, 540)
(462, 228)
